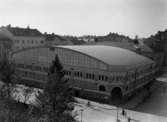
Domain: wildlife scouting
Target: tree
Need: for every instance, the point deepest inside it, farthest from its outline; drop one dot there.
(10, 109)
(57, 98)
(6, 73)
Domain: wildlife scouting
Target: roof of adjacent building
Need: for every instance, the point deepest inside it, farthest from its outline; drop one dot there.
(17, 31)
(111, 55)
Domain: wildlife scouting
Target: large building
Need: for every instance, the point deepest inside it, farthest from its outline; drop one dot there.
(97, 71)
(23, 37)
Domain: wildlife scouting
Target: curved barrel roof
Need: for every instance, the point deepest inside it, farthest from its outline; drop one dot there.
(111, 55)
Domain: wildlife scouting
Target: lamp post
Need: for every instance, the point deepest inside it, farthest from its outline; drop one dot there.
(81, 114)
(117, 120)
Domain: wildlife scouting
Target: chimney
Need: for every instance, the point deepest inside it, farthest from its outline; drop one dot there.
(45, 33)
(28, 27)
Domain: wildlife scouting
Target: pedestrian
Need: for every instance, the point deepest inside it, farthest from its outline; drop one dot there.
(123, 112)
(88, 103)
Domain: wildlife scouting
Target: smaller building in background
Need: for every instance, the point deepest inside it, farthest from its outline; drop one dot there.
(87, 38)
(53, 39)
(23, 37)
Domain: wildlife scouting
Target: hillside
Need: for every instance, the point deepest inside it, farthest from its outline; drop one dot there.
(114, 37)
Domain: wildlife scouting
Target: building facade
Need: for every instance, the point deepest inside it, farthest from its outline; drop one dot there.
(96, 71)
(23, 37)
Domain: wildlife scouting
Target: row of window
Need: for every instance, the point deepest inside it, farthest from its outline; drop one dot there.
(82, 75)
(36, 68)
(103, 78)
(87, 75)
(90, 76)
(137, 75)
(138, 82)
(78, 74)
(28, 41)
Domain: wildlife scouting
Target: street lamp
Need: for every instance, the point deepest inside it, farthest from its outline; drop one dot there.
(117, 120)
(81, 113)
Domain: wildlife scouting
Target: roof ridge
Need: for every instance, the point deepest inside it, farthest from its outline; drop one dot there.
(19, 31)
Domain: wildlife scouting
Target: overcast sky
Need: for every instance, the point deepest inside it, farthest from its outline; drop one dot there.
(82, 17)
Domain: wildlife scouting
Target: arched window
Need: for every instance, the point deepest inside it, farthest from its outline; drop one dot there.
(102, 88)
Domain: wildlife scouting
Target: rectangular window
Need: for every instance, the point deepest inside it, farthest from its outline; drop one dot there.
(86, 75)
(106, 78)
(80, 74)
(93, 76)
(69, 73)
(75, 74)
(99, 77)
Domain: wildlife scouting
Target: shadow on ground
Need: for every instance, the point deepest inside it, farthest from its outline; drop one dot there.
(155, 103)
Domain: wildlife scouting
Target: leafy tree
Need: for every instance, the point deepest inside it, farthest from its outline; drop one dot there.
(57, 98)
(6, 71)
(10, 110)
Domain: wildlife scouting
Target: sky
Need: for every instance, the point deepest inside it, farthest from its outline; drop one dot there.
(87, 17)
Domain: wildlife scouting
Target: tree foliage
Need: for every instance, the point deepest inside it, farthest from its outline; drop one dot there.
(57, 99)
(158, 41)
(10, 110)
(6, 71)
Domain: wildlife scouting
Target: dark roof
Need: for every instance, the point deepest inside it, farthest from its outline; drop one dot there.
(17, 31)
